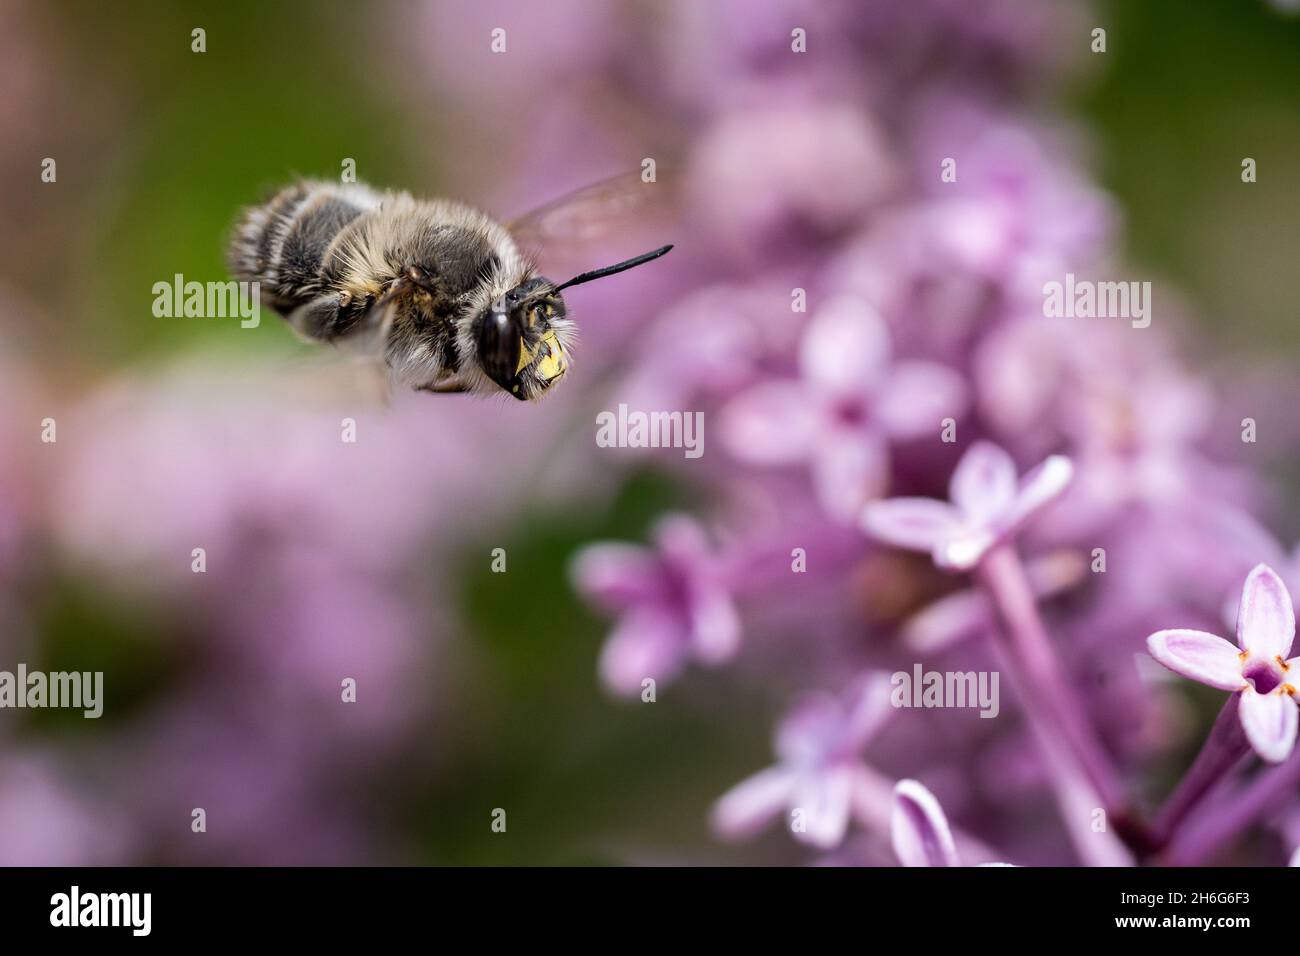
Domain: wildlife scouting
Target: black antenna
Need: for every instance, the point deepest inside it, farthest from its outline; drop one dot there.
(614, 269)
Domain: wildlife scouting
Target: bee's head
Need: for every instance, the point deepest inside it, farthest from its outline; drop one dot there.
(522, 338)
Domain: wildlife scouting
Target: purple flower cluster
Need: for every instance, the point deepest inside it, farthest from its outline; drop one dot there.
(872, 340)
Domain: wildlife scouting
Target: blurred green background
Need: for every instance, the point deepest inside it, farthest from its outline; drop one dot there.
(1182, 95)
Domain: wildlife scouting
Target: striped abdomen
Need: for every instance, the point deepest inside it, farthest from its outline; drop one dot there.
(283, 243)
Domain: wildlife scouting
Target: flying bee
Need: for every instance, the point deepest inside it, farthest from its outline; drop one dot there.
(446, 296)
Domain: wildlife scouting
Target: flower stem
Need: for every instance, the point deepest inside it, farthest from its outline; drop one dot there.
(1222, 750)
(1218, 824)
(1081, 774)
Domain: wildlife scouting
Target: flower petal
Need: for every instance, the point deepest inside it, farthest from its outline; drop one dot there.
(1266, 620)
(917, 397)
(715, 625)
(751, 804)
(846, 346)
(646, 642)
(682, 541)
(1038, 488)
(964, 548)
(1270, 722)
(868, 708)
(1199, 655)
(770, 424)
(919, 829)
(947, 621)
(810, 730)
(983, 485)
(617, 575)
(824, 798)
(914, 523)
(849, 469)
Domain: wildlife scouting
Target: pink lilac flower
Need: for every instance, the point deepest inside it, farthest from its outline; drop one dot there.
(1017, 213)
(782, 177)
(987, 507)
(672, 602)
(851, 401)
(819, 767)
(1136, 442)
(711, 342)
(1256, 668)
(954, 270)
(919, 829)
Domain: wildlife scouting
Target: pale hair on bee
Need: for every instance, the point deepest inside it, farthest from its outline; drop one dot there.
(443, 293)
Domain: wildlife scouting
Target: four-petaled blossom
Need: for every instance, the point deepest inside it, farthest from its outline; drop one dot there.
(849, 402)
(672, 599)
(818, 747)
(919, 829)
(1257, 667)
(988, 507)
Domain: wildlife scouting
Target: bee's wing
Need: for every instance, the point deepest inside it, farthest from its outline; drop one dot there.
(358, 358)
(368, 380)
(626, 204)
(326, 377)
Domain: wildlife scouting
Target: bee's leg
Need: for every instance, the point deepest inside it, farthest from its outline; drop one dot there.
(443, 388)
(447, 382)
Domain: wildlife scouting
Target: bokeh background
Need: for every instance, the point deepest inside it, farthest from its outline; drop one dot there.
(479, 690)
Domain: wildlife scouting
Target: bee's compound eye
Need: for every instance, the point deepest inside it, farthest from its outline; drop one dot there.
(499, 348)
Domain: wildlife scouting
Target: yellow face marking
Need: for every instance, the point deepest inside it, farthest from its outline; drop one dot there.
(554, 364)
